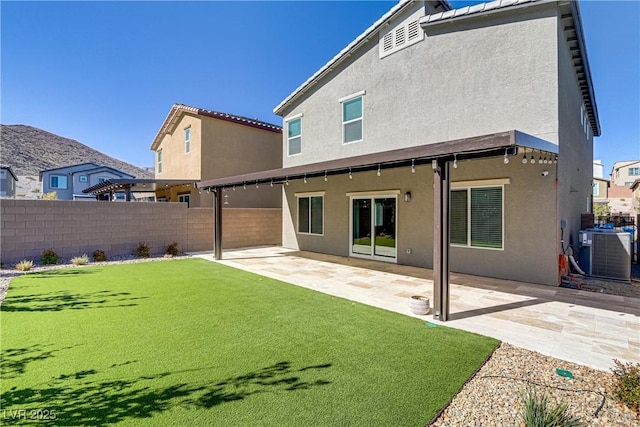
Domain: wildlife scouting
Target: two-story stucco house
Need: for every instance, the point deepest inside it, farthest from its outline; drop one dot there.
(442, 138)
(198, 144)
(8, 181)
(68, 182)
(625, 172)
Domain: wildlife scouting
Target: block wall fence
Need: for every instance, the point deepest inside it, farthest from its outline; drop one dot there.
(72, 228)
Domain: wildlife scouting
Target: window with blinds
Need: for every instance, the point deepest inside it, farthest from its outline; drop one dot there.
(476, 217)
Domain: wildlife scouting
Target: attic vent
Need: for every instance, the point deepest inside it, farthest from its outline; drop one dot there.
(400, 36)
(404, 34)
(413, 30)
(387, 43)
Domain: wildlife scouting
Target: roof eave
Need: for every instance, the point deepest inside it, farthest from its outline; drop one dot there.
(345, 53)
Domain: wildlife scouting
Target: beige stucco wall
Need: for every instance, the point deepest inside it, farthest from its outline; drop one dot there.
(71, 228)
(530, 234)
(620, 172)
(176, 163)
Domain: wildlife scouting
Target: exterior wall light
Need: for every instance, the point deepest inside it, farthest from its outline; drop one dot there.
(407, 196)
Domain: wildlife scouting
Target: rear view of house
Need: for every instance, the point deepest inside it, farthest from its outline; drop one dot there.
(424, 76)
(442, 138)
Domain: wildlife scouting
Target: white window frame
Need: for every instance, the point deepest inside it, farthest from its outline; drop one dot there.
(289, 120)
(361, 118)
(185, 198)
(372, 195)
(309, 196)
(187, 139)
(58, 187)
(468, 188)
(159, 161)
(636, 169)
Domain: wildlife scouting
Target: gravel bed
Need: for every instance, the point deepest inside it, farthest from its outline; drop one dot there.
(492, 397)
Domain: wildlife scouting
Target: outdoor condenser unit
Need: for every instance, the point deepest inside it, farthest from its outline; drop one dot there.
(606, 253)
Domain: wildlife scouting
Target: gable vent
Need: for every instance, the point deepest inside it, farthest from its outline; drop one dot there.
(413, 29)
(404, 34)
(400, 36)
(387, 43)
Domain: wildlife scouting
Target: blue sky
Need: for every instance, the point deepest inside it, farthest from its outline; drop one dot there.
(107, 73)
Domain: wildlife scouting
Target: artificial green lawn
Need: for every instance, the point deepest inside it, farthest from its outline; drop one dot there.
(191, 342)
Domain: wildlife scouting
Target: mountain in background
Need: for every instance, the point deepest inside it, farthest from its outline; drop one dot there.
(29, 150)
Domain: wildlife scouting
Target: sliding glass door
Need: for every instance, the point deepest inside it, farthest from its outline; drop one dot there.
(373, 227)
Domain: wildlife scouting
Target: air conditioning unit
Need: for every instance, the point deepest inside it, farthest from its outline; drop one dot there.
(606, 253)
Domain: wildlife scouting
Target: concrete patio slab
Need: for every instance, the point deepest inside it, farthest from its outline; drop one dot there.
(579, 326)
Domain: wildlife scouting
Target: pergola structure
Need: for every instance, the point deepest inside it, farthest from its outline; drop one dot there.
(129, 186)
(439, 155)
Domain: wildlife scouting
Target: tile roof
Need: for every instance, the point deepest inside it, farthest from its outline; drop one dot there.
(619, 192)
(179, 109)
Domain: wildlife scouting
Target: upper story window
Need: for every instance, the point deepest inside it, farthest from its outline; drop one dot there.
(404, 34)
(187, 139)
(352, 118)
(3, 173)
(476, 217)
(102, 179)
(83, 178)
(596, 189)
(294, 135)
(58, 181)
(159, 161)
(634, 171)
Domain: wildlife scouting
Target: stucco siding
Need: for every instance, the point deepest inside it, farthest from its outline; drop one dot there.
(529, 252)
(466, 79)
(176, 163)
(575, 159)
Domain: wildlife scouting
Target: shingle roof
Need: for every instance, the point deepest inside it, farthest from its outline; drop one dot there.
(179, 109)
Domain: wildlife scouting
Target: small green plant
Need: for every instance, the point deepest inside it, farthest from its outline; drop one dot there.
(172, 249)
(24, 265)
(50, 196)
(80, 260)
(537, 413)
(627, 386)
(143, 250)
(99, 256)
(49, 257)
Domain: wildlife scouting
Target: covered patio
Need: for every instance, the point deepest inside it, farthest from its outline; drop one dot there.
(579, 326)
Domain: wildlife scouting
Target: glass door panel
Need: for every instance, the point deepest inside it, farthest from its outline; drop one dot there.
(385, 227)
(361, 217)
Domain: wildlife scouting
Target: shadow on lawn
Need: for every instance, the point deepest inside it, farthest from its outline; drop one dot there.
(82, 399)
(68, 301)
(14, 361)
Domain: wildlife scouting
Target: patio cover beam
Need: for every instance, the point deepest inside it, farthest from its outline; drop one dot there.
(467, 148)
(441, 186)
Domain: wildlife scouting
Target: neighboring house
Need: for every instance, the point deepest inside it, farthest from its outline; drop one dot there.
(625, 172)
(635, 195)
(8, 181)
(600, 190)
(598, 169)
(197, 144)
(621, 200)
(417, 134)
(69, 181)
